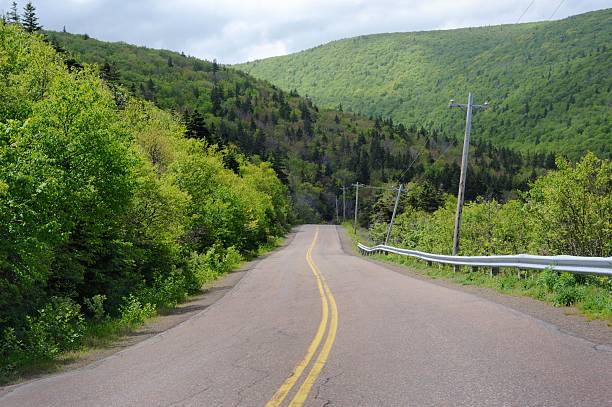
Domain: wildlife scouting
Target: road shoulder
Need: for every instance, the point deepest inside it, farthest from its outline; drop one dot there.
(563, 319)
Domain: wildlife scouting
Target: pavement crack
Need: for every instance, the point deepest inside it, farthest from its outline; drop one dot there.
(263, 374)
(325, 382)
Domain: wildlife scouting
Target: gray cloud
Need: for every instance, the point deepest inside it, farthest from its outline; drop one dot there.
(236, 31)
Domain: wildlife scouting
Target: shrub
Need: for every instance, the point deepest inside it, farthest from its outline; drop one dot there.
(133, 312)
(547, 279)
(58, 326)
(566, 291)
(169, 290)
(597, 302)
(507, 281)
(95, 306)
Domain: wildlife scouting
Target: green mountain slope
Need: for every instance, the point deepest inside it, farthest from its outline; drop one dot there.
(314, 151)
(549, 83)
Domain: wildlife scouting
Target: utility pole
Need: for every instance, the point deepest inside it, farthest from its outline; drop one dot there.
(356, 206)
(464, 161)
(397, 198)
(343, 203)
(337, 219)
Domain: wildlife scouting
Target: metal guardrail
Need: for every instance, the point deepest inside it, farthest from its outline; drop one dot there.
(601, 266)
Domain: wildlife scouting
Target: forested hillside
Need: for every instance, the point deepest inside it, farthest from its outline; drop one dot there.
(107, 211)
(549, 83)
(314, 151)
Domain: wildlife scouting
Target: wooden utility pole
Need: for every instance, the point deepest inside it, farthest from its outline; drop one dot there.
(337, 218)
(343, 203)
(464, 161)
(397, 198)
(356, 206)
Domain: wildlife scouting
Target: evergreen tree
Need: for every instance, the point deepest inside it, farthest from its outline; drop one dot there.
(30, 21)
(110, 73)
(13, 15)
(196, 126)
(216, 96)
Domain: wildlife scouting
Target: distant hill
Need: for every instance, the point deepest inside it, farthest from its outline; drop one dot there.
(549, 82)
(314, 151)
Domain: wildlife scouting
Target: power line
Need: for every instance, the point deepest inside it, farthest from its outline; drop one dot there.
(399, 179)
(528, 7)
(373, 187)
(557, 9)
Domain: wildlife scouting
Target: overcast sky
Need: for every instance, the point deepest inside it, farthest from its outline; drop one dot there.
(237, 31)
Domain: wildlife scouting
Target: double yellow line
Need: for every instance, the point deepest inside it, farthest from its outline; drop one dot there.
(328, 306)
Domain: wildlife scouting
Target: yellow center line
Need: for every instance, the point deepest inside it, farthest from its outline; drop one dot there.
(284, 389)
(304, 390)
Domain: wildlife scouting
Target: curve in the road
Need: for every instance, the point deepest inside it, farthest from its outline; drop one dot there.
(327, 302)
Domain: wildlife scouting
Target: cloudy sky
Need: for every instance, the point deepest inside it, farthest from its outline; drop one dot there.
(236, 31)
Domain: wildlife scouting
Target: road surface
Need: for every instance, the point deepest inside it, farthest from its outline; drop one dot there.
(311, 325)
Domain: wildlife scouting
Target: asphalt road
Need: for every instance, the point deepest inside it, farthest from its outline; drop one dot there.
(311, 324)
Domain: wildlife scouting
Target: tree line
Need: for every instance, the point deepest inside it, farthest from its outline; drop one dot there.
(108, 211)
(314, 151)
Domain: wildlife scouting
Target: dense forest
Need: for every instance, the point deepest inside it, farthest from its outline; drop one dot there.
(314, 151)
(549, 83)
(107, 210)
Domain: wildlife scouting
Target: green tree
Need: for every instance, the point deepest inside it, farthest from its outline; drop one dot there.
(30, 20)
(571, 208)
(13, 15)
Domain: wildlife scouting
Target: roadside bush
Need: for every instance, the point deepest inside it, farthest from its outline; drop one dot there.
(547, 279)
(208, 266)
(167, 291)
(570, 210)
(134, 312)
(597, 301)
(59, 326)
(566, 291)
(95, 306)
(507, 281)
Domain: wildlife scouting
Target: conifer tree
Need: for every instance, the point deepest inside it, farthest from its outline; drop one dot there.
(12, 16)
(30, 21)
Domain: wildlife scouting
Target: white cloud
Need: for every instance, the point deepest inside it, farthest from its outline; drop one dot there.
(235, 31)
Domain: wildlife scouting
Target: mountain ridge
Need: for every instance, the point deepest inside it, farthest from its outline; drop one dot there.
(548, 83)
(314, 151)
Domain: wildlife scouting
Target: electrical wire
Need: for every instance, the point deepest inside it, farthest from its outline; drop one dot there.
(528, 7)
(557, 9)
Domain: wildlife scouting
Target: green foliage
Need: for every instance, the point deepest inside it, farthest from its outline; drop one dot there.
(548, 82)
(313, 151)
(102, 200)
(133, 312)
(565, 212)
(572, 208)
(568, 211)
(208, 266)
(95, 306)
(57, 327)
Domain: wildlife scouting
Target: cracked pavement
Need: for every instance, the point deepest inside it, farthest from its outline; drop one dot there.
(401, 341)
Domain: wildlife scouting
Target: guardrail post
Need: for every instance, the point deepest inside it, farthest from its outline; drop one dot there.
(474, 269)
(494, 271)
(428, 263)
(456, 268)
